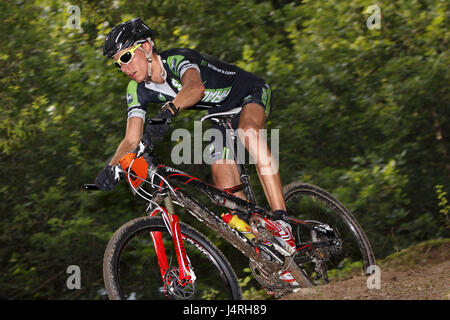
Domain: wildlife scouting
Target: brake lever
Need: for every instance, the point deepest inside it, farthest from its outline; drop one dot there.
(117, 171)
(141, 149)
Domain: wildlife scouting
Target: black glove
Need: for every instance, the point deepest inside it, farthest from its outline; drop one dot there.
(105, 179)
(158, 126)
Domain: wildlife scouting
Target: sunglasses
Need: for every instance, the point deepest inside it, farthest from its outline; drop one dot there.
(126, 57)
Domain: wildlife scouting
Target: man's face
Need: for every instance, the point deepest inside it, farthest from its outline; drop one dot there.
(136, 69)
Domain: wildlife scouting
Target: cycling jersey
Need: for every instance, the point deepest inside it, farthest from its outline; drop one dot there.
(226, 86)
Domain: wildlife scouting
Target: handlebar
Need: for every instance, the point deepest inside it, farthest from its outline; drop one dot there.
(156, 121)
(90, 187)
(142, 148)
(145, 146)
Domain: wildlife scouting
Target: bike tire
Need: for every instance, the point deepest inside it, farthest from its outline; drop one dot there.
(202, 253)
(306, 201)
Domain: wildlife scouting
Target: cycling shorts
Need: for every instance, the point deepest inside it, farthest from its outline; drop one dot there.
(222, 148)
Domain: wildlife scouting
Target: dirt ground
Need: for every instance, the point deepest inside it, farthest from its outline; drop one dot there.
(421, 272)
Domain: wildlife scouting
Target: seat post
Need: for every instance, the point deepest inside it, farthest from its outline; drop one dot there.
(243, 174)
(221, 120)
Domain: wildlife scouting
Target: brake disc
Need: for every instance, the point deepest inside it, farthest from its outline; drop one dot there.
(176, 288)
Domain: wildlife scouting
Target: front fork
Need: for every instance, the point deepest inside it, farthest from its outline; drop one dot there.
(185, 274)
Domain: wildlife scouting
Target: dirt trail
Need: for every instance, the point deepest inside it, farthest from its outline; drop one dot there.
(421, 272)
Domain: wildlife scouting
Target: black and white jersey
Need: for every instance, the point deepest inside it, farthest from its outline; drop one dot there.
(226, 85)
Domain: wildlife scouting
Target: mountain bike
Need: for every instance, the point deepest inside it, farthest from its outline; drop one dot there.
(157, 256)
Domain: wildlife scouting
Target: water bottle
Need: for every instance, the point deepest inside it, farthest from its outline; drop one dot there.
(237, 223)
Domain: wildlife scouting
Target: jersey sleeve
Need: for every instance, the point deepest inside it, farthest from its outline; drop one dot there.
(136, 108)
(181, 60)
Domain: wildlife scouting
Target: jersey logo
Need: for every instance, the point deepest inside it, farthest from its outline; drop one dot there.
(176, 84)
(216, 95)
(129, 98)
(161, 97)
(173, 62)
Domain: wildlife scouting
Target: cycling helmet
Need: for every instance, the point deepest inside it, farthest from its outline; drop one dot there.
(125, 35)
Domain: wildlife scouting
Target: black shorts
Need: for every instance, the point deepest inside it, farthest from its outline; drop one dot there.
(221, 148)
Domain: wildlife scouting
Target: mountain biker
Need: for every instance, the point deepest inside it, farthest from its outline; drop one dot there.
(184, 78)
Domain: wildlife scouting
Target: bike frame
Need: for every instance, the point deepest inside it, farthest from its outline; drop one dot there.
(221, 198)
(213, 221)
(162, 177)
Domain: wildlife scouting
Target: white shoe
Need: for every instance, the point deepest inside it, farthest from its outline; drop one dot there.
(282, 232)
(287, 277)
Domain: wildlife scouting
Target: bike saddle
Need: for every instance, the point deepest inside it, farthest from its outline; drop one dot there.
(221, 116)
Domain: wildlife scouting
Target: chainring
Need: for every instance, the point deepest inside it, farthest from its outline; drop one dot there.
(266, 279)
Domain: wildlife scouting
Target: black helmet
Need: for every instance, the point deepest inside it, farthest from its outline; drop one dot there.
(125, 35)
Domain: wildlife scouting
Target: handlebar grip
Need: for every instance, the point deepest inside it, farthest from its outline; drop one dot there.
(90, 187)
(156, 121)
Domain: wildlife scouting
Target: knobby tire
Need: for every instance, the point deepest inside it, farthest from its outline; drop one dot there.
(118, 244)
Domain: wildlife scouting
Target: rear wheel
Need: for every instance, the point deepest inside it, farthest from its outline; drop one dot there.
(131, 269)
(339, 245)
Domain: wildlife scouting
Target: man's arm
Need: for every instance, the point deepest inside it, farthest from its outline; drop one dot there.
(192, 90)
(133, 134)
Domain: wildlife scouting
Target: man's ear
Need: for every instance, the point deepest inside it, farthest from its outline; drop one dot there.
(147, 46)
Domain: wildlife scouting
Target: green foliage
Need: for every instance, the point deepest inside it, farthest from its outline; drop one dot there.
(443, 204)
(251, 290)
(362, 113)
(347, 270)
(374, 192)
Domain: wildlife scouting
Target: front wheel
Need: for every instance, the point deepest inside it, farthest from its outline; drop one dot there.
(331, 244)
(131, 269)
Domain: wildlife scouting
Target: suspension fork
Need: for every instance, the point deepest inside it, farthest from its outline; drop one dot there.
(173, 225)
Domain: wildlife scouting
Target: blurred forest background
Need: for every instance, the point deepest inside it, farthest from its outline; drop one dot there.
(363, 113)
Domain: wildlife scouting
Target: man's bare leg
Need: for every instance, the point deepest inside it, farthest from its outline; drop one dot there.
(252, 119)
(226, 175)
